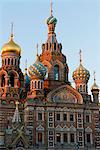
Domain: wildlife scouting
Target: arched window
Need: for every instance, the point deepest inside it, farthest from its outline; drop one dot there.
(5, 61)
(41, 85)
(56, 72)
(35, 84)
(8, 61)
(80, 88)
(3, 80)
(47, 46)
(38, 84)
(12, 80)
(84, 89)
(15, 62)
(12, 61)
(54, 46)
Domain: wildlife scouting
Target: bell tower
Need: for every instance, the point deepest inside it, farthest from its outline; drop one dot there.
(53, 58)
(11, 76)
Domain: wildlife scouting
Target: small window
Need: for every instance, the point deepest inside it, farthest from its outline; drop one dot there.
(65, 137)
(58, 117)
(56, 72)
(58, 137)
(39, 116)
(72, 138)
(38, 84)
(65, 117)
(35, 84)
(71, 117)
(40, 137)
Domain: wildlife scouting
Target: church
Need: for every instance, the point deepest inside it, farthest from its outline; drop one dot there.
(41, 110)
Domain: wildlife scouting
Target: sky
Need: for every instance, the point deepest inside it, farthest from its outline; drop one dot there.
(78, 27)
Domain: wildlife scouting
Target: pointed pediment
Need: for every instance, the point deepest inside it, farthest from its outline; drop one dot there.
(65, 128)
(88, 129)
(73, 129)
(40, 128)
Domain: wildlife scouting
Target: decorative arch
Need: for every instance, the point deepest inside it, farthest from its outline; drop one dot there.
(3, 78)
(65, 94)
(58, 68)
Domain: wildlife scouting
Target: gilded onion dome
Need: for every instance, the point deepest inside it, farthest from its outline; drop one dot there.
(37, 69)
(94, 86)
(11, 46)
(81, 74)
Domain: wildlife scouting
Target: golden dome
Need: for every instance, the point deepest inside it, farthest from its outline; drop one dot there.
(11, 46)
(94, 86)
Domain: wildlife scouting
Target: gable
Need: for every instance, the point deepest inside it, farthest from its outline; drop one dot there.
(65, 94)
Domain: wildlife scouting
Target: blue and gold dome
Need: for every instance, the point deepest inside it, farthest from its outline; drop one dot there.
(38, 70)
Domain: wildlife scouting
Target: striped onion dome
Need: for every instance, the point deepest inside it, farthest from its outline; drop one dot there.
(52, 20)
(38, 70)
(81, 74)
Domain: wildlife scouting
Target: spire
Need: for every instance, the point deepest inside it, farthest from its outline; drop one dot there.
(16, 117)
(51, 10)
(80, 53)
(37, 56)
(11, 36)
(26, 67)
(94, 77)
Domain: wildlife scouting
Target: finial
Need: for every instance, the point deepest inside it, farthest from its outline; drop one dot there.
(25, 66)
(37, 56)
(80, 53)
(51, 11)
(17, 103)
(94, 76)
(12, 30)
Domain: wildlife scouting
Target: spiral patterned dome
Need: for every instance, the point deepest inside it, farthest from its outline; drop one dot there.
(81, 74)
(52, 20)
(38, 70)
(11, 46)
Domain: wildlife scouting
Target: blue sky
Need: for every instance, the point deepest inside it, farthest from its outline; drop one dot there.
(78, 27)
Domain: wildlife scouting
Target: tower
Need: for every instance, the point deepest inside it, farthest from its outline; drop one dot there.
(11, 77)
(95, 91)
(53, 58)
(81, 77)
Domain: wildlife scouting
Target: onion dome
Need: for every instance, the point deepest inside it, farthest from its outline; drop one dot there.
(52, 20)
(94, 86)
(37, 69)
(81, 74)
(11, 46)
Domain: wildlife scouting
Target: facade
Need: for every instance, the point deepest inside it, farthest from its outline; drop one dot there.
(41, 110)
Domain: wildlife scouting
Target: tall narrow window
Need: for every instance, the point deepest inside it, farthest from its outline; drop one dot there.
(12, 61)
(88, 138)
(40, 137)
(58, 137)
(8, 61)
(54, 46)
(3, 81)
(56, 72)
(65, 139)
(40, 116)
(35, 84)
(38, 84)
(72, 138)
(12, 80)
